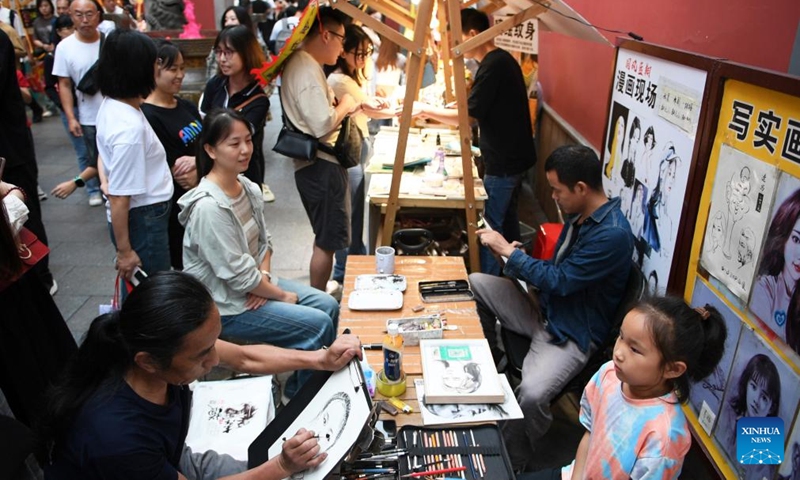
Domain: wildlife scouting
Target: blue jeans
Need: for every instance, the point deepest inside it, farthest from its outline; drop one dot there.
(500, 210)
(308, 325)
(79, 145)
(147, 231)
(357, 198)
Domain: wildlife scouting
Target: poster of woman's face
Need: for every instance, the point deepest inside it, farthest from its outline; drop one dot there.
(790, 468)
(706, 395)
(779, 267)
(761, 384)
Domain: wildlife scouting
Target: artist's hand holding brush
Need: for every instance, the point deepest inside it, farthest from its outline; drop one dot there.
(339, 354)
(300, 452)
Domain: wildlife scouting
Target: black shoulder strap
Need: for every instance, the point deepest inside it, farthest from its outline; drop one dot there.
(286, 121)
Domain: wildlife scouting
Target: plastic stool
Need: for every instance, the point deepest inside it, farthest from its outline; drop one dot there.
(546, 240)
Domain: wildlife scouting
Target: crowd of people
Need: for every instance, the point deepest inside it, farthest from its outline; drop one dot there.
(184, 187)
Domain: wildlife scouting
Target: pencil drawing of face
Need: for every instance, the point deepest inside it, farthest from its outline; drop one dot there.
(747, 243)
(461, 377)
(717, 231)
(330, 422)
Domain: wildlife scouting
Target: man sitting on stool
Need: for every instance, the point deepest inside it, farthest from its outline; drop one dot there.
(579, 291)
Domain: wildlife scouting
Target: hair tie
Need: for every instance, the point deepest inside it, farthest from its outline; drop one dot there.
(703, 312)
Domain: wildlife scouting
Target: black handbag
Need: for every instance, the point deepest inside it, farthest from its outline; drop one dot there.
(88, 82)
(348, 144)
(294, 143)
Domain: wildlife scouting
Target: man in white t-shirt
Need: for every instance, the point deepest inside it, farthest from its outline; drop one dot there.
(110, 7)
(74, 56)
(308, 103)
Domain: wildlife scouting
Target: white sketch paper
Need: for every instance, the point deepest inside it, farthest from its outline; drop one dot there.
(740, 202)
(228, 415)
(337, 414)
(445, 414)
(779, 265)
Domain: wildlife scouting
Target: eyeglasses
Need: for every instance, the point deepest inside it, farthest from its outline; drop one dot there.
(363, 55)
(86, 15)
(224, 53)
(338, 35)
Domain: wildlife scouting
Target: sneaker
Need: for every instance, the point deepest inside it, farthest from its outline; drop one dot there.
(267, 193)
(40, 192)
(47, 114)
(53, 288)
(95, 199)
(334, 289)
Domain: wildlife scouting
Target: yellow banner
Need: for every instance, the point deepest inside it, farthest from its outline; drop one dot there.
(759, 122)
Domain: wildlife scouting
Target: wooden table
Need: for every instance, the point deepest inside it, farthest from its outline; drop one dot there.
(370, 326)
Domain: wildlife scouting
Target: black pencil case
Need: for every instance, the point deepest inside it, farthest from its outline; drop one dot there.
(471, 446)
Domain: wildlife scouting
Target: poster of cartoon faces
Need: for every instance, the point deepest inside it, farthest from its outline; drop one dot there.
(648, 152)
(706, 394)
(740, 202)
(336, 414)
(773, 297)
(761, 384)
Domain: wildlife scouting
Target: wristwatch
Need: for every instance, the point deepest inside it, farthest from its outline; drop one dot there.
(79, 182)
(267, 274)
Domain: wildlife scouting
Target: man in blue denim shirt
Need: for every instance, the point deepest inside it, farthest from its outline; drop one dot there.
(578, 291)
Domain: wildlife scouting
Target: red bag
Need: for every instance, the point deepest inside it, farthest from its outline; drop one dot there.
(31, 250)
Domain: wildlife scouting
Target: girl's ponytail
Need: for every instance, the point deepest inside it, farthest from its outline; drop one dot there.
(714, 333)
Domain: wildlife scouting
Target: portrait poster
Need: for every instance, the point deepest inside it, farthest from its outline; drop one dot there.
(706, 395)
(335, 406)
(761, 384)
(652, 127)
(790, 468)
(455, 413)
(227, 415)
(779, 265)
(741, 197)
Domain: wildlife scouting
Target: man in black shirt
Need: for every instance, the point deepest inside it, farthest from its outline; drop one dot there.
(499, 102)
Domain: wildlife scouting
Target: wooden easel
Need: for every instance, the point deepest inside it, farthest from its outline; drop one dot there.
(449, 15)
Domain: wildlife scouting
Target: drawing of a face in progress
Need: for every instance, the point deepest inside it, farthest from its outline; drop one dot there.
(747, 243)
(461, 377)
(330, 422)
(717, 231)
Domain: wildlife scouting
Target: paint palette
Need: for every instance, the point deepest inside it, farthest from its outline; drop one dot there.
(375, 300)
(381, 281)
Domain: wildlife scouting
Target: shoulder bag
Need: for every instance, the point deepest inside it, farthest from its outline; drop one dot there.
(31, 250)
(88, 83)
(294, 143)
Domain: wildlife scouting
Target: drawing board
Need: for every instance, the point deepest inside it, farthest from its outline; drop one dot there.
(335, 406)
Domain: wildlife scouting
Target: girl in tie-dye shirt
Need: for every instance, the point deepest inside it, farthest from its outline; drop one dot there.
(631, 407)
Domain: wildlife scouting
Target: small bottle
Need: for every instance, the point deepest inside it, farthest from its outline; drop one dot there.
(393, 355)
(439, 156)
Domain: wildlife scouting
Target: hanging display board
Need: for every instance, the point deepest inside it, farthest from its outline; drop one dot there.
(745, 261)
(650, 146)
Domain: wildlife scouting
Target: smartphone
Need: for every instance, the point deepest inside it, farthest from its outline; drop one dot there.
(2, 166)
(138, 276)
(482, 223)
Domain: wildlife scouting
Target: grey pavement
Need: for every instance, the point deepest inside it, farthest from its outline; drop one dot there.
(82, 256)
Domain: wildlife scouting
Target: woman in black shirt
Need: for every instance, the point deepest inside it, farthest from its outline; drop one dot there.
(177, 124)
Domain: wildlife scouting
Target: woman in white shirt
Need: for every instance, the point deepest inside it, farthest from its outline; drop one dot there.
(348, 78)
(134, 161)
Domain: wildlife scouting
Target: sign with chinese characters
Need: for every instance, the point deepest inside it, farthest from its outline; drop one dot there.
(762, 123)
(655, 107)
(521, 38)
